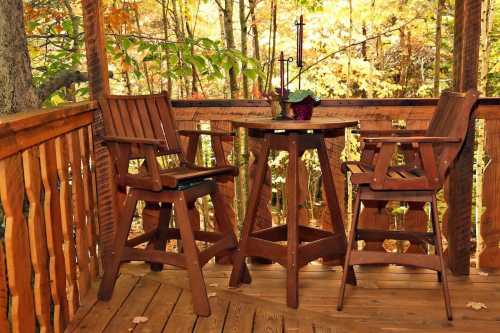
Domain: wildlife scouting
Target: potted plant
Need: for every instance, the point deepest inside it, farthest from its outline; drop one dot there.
(302, 103)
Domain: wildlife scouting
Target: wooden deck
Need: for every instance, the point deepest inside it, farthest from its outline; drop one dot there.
(388, 298)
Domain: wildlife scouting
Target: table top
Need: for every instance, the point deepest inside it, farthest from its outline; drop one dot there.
(316, 123)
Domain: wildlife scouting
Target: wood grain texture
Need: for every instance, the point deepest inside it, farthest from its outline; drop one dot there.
(4, 292)
(89, 203)
(80, 227)
(38, 239)
(316, 123)
(489, 256)
(465, 76)
(17, 245)
(65, 203)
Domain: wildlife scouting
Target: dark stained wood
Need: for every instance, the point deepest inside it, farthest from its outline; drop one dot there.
(425, 172)
(315, 123)
(143, 127)
(467, 31)
(262, 243)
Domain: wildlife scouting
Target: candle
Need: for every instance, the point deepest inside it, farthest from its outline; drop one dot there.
(282, 74)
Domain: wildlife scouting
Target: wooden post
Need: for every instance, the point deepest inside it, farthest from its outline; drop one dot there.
(97, 64)
(465, 76)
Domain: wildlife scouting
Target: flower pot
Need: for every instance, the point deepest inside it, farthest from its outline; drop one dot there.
(303, 110)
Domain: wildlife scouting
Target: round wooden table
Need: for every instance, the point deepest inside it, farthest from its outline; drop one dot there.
(304, 244)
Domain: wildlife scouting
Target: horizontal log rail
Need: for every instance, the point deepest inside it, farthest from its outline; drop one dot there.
(49, 202)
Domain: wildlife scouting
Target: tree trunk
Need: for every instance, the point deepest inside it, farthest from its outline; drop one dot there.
(487, 7)
(230, 44)
(144, 64)
(244, 46)
(256, 46)
(437, 43)
(16, 84)
(166, 27)
(272, 48)
(349, 53)
(223, 37)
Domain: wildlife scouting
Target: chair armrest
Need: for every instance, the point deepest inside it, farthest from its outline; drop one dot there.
(124, 139)
(412, 139)
(390, 132)
(202, 132)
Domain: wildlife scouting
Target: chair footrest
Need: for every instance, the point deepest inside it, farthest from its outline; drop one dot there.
(226, 243)
(174, 259)
(405, 259)
(414, 237)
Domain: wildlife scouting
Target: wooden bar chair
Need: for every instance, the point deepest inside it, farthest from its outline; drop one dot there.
(143, 128)
(416, 181)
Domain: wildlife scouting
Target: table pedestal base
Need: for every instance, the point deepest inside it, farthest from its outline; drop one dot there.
(304, 244)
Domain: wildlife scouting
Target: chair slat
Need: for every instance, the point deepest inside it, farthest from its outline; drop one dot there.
(117, 119)
(145, 119)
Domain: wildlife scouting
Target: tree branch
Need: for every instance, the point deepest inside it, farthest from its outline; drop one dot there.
(61, 79)
(320, 60)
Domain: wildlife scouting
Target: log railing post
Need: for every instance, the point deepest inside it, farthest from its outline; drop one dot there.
(97, 64)
(465, 76)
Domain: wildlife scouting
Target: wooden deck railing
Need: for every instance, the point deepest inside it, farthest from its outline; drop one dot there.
(49, 253)
(374, 114)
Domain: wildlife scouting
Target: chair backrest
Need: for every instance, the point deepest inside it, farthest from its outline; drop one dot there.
(452, 118)
(142, 117)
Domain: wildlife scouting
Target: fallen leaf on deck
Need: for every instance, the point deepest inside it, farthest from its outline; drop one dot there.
(212, 294)
(140, 319)
(476, 305)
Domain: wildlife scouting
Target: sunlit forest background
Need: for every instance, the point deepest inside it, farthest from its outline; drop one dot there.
(199, 49)
(206, 49)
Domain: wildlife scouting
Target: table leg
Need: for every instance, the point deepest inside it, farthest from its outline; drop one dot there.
(332, 201)
(238, 266)
(292, 223)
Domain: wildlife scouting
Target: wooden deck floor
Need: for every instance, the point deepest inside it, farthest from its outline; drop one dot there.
(388, 298)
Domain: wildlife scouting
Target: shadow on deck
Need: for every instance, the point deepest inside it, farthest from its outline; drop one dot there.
(388, 298)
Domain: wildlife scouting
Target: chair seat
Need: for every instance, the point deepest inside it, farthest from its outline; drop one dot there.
(172, 178)
(362, 173)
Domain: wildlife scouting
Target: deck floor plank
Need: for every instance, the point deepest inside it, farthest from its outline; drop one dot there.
(268, 321)
(387, 299)
(159, 310)
(134, 306)
(102, 312)
(214, 323)
(240, 317)
(183, 319)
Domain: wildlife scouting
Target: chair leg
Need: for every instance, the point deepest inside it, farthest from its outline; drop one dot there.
(239, 259)
(196, 281)
(111, 272)
(439, 250)
(161, 240)
(348, 269)
(225, 226)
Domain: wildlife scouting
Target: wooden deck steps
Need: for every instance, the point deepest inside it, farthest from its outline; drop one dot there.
(388, 299)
